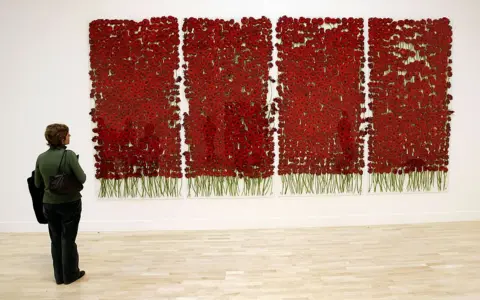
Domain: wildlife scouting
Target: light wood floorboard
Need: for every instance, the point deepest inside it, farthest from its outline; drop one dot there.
(428, 261)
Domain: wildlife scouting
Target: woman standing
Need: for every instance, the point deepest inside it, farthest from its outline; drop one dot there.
(62, 211)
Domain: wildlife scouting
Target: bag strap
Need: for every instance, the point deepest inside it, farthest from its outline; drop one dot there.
(60, 164)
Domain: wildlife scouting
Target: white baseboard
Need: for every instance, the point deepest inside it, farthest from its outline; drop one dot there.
(231, 223)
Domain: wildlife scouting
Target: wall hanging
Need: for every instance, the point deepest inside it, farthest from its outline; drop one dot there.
(136, 114)
(321, 103)
(409, 129)
(229, 130)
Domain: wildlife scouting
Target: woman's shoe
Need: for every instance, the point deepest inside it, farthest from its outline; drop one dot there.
(80, 275)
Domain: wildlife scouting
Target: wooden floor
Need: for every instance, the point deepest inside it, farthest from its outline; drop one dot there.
(434, 261)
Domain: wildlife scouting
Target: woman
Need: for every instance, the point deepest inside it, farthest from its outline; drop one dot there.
(62, 211)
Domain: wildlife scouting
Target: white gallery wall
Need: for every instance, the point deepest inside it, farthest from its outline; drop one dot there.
(44, 54)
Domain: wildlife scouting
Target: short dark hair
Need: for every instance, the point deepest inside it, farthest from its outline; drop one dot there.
(55, 134)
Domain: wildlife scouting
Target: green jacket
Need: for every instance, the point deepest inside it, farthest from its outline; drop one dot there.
(47, 165)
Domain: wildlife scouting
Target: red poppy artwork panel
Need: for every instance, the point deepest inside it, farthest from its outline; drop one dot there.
(228, 127)
(136, 111)
(321, 104)
(409, 130)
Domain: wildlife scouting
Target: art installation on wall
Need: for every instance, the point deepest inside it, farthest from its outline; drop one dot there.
(136, 112)
(230, 120)
(228, 128)
(410, 127)
(321, 101)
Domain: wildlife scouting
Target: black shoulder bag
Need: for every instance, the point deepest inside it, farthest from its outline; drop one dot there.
(62, 183)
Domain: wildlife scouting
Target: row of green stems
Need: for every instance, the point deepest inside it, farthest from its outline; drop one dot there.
(145, 187)
(321, 184)
(412, 182)
(205, 186)
(291, 184)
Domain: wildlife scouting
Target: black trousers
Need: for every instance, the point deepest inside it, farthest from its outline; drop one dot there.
(63, 220)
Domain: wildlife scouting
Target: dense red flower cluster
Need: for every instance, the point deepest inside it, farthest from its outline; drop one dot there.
(228, 127)
(321, 95)
(409, 82)
(136, 97)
